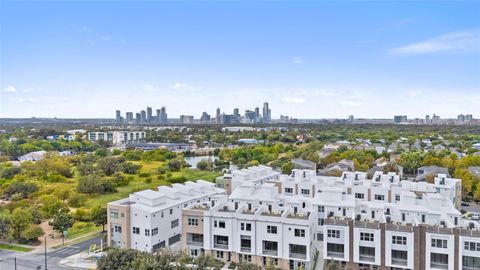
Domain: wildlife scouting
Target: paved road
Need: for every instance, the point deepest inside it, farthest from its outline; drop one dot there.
(32, 260)
(472, 208)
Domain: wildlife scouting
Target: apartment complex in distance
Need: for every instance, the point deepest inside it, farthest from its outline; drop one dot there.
(362, 223)
(117, 137)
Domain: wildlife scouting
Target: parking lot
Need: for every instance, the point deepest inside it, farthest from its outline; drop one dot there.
(472, 208)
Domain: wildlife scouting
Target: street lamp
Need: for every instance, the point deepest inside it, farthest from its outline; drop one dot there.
(14, 261)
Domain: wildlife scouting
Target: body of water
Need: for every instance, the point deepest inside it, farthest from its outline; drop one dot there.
(192, 161)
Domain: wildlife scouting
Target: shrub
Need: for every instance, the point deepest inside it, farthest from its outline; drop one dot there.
(144, 174)
(94, 184)
(77, 200)
(56, 178)
(120, 180)
(130, 168)
(22, 188)
(174, 165)
(177, 179)
(160, 177)
(82, 214)
(148, 180)
(162, 170)
(10, 172)
(31, 233)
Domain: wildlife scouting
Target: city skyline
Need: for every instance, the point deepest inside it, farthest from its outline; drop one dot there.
(309, 59)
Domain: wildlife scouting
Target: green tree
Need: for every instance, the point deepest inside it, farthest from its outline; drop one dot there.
(9, 173)
(117, 259)
(287, 168)
(32, 233)
(62, 220)
(23, 189)
(411, 161)
(50, 205)
(4, 226)
(99, 216)
(20, 220)
(174, 165)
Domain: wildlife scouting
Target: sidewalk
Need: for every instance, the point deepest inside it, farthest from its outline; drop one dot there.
(81, 261)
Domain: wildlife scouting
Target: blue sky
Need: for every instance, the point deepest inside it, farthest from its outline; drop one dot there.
(307, 59)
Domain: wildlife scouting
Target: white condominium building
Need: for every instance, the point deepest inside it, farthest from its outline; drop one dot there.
(117, 138)
(149, 220)
(265, 217)
(256, 224)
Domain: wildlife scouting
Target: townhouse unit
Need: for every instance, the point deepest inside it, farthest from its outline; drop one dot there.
(255, 174)
(149, 220)
(255, 224)
(117, 138)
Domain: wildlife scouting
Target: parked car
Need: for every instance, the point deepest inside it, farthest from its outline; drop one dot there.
(475, 217)
(465, 204)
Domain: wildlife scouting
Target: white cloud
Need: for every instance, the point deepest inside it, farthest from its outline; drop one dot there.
(106, 38)
(148, 87)
(293, 100)
(415, 93)
(297, 60)
(350, 103)
(452, 42)
(182, 87)
(31, 89)
(10, 89)
(325, 93)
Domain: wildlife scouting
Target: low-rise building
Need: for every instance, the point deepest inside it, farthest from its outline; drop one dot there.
(118, 138)
(149, 220)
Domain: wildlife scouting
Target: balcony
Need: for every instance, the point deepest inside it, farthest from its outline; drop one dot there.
(399, 261)
(270, 252)
(300, 256)
(195, 243)
(220, 246)
(367, 258)
(246, 249)
(439, 265)
(335, 254)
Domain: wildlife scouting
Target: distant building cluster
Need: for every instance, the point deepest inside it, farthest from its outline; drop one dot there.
(462, 119)
(220, 118)
(142, 117)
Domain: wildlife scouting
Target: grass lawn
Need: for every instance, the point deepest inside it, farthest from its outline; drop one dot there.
(14, 247)
(81, 228)
(140, 183)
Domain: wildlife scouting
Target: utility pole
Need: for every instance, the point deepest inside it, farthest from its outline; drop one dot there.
(15, 262)
(46, 253)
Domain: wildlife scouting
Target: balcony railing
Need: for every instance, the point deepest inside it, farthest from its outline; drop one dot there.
(220, 246)
(367, 258)
(335, 254)
(438, 265)
(245, 249)
(399, 261)
(298, 256)
(270, 252)
(195, 243)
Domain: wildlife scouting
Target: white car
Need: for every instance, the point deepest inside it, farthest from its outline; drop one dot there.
(475, 217)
